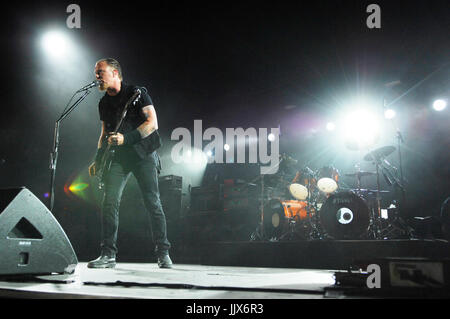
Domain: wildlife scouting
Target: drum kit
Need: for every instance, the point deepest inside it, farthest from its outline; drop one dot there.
(315, 205)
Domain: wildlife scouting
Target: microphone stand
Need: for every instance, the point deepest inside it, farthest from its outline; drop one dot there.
(399, 142)
(54, 154)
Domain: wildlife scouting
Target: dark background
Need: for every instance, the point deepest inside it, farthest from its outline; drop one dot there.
(263, 64)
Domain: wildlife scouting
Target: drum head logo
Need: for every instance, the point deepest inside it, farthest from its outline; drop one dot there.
(344, 216)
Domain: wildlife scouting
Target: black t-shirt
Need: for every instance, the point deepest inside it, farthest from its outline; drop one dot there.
(111, 108)
(110, 111)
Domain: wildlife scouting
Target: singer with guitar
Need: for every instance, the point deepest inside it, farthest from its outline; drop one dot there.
(127, 145)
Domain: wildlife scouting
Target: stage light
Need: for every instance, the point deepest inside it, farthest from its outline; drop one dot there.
(195, 160)
(271, 137)
(439, 105)
(226, 147)
(360, 129)
(194, 156)
(55, 44)
(330, 126)
(209, 153)
(199, 157)
(187, 157)
(389, 114)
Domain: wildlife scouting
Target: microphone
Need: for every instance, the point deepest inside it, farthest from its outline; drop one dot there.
(90, 85)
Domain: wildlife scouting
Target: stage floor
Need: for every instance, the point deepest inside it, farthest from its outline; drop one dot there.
(238, 271)
(183, 281)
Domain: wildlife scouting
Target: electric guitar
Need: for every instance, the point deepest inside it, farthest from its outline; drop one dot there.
(108, 155)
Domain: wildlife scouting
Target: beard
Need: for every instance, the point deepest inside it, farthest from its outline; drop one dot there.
(103, 86)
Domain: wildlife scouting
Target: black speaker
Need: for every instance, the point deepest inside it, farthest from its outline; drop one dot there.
(31, 239)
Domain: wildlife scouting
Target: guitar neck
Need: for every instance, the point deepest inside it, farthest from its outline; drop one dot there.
(133, 98)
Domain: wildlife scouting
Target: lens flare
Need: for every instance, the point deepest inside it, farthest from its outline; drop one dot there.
(78, 187)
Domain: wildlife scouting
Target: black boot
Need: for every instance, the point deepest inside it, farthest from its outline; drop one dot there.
(104, 261)
(164, 261)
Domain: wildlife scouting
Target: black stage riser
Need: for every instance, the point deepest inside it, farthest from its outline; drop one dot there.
(317, 254)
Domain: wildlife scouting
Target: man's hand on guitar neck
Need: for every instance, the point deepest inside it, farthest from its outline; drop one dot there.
(115, 139)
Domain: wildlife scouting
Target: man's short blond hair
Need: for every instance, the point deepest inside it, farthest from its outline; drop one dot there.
(114, 64)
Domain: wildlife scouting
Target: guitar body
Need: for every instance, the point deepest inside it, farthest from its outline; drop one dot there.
(104, 166)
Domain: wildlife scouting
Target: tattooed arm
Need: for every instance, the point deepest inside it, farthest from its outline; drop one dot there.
(151, 122)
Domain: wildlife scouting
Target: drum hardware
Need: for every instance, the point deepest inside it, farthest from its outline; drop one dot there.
(402, 181)
(378, 157)
(316, 231)
(395, 226)
(358, 176)
(313, 211)
(259, 234)
(379, 153)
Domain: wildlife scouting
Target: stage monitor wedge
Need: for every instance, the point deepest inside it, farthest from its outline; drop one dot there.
(31, 239)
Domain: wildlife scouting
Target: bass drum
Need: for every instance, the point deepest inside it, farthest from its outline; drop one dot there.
(277, 215)
(345, 215)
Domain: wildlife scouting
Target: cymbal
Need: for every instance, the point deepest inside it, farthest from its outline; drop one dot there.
(360, 174)
(380, 152)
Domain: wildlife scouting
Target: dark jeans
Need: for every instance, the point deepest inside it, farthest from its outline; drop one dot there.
(146, 173)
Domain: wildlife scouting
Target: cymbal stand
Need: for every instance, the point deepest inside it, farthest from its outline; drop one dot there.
(401, 184)
(290, 234)
(258, 234)
(315, 232)
(375, 227)
(396, 223)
